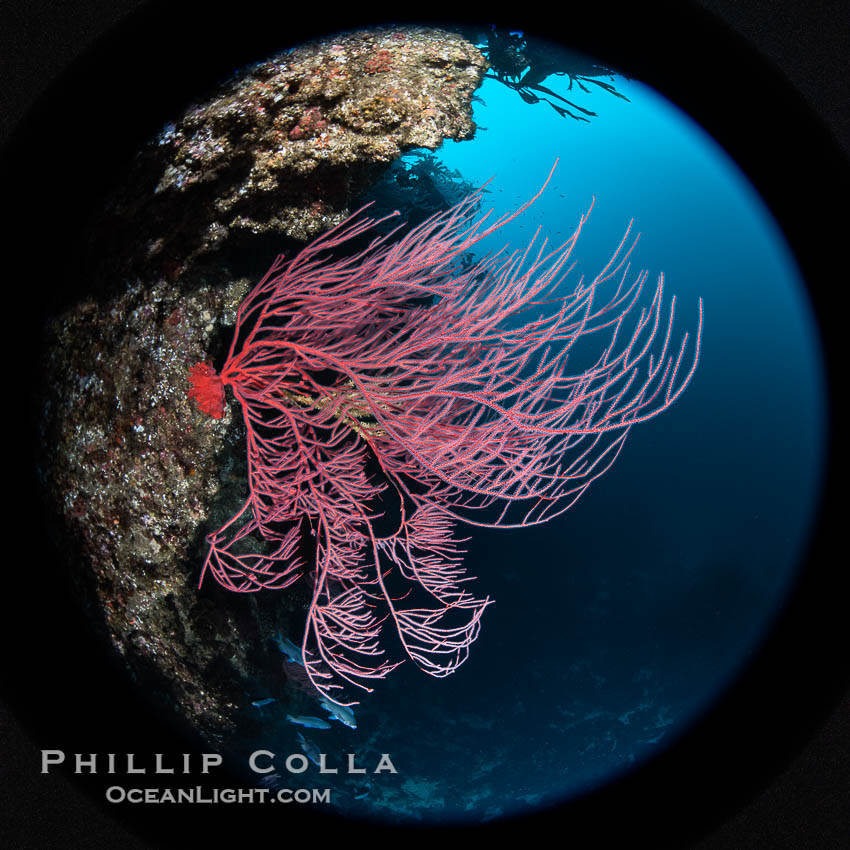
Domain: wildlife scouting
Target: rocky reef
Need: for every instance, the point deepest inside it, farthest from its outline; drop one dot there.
(285, 145)
(134, 473)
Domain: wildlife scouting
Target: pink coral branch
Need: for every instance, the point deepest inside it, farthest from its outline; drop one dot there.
(456, 382)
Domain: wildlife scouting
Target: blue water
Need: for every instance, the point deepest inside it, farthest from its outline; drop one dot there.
(618, 624)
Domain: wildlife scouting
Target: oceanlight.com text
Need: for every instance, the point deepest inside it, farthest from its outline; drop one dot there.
(119, 794)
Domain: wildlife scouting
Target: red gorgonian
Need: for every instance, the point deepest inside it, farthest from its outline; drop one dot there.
(404, 377)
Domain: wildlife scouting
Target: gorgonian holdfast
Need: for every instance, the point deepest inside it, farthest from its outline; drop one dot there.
(403, 358)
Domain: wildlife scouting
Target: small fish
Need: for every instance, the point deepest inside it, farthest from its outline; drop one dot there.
(289, 649)
(309, 722)
(339, 712)
(271, 780)
(309, 749)
(362, 790)
(259, 703)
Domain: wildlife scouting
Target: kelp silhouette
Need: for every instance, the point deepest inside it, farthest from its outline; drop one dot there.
(400, 376)
(522, 64)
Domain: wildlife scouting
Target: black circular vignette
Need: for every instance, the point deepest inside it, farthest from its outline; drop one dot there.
(51, 655)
